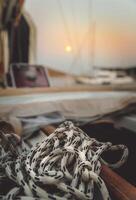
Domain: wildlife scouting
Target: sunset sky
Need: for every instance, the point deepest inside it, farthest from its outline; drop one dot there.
(73, 35)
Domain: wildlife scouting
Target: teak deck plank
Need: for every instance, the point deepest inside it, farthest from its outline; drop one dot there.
(78, 88)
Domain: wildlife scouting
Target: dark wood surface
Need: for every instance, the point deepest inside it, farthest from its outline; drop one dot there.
(75, 88)
(119, 187)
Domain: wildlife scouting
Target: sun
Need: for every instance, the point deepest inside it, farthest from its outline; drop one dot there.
(68, 48)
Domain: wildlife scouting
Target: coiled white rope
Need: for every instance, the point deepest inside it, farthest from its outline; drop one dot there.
(66, 165)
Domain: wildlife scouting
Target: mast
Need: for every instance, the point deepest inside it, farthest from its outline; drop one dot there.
(92, 39)
(93, 46)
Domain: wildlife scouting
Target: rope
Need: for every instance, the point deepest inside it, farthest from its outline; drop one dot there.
(66, 165)
(76, 32)
(79, 52)
(62, 13)
(89, 34)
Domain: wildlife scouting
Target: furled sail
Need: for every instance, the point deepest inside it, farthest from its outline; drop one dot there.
(17, 35)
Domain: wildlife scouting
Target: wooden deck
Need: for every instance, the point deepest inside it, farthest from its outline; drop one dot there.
(75, 88)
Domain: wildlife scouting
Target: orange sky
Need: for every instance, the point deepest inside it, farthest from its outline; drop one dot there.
(115, 32)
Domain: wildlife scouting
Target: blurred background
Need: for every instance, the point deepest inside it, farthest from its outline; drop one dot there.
(76, 36)
(89, 41)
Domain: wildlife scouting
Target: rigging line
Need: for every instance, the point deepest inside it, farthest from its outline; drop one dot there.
(91, 42)
(76, 33)
(84, 40)
(69, 40)
(80, 48)
(90, 38)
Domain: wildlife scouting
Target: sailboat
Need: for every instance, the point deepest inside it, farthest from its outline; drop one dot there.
(18, 51)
